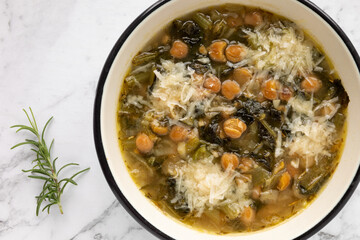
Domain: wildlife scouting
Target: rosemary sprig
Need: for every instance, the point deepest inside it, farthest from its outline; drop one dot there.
(45, 168)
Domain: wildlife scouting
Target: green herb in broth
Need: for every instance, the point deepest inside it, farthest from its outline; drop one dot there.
(231, 119)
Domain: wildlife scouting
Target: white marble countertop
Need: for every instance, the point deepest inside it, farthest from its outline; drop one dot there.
(51, 56)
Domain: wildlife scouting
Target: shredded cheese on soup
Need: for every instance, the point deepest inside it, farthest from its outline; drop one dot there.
(205, 185)
(281, 49)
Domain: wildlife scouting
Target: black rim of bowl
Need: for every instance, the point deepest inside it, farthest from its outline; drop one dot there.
(97, 132)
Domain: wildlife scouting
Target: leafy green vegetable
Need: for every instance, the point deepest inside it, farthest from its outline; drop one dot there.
(259, 176)
(266, 125)
(231, 211)
(201, 153)
(192, 144)
(203, 21)
(45, 168)
(228, 32)
(144, 57)
(219, 28)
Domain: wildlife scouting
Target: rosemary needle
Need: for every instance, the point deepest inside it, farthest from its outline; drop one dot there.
(45, 168)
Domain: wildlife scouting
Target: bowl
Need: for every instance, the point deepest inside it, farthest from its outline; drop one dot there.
(310, 18)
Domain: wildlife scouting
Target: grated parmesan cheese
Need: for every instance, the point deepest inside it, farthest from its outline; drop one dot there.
(178, 92)
(282, 49)
(301, 106)
(136, 101)
(278, 148)
(330, 104)
(310, 138)
(204, 185)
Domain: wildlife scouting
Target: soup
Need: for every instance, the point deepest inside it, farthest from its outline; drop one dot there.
(231, 119)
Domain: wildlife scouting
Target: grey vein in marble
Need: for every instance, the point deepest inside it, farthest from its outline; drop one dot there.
(97, 220)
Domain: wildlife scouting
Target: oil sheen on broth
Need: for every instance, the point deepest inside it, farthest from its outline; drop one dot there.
(231, 119)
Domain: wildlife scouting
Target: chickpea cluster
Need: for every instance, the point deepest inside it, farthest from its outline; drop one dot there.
(220, 51)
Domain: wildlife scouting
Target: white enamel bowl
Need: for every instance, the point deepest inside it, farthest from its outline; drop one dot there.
(321, 28)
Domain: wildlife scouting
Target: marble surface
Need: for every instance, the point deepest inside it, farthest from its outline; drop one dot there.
(51, 55)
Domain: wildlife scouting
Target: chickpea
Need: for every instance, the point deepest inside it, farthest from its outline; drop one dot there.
(246, 164)
(230, 89)
(143, 143)
(158, 129)
(179, 49)
(253, 19)
(284, 181)
(254, 87)
(178, 133)
(229, 160)
(234, 21)
(285, 94)
(255, 194)
(165, 39)
(248, 215)
(242, 76)
(325, 110)
(235, 53)
(234, 127)
(260, 98)
(198, 78)
(216, 51)
(202, 50)
(311, 84)
(225, 114)
(213, 84)
(171, 165)
(269, 89)
(243, 178)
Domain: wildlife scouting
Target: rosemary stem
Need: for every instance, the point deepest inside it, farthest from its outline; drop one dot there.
(45, 168)
(60, 207)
